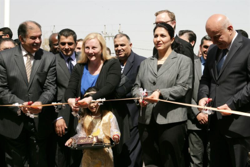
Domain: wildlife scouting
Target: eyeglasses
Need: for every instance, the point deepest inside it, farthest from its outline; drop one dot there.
(1, 36)
(163, 22)
(64, 43)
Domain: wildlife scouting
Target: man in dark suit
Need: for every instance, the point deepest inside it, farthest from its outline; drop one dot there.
(65, 123)
(226, 80)
(197, 123)
(128, 152)
(53, 43)
(27, 73)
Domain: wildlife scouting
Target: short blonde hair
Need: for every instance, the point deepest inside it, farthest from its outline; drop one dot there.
(170, 14)
(99, 37)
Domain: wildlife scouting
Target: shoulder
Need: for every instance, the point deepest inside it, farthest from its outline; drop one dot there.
(10, 52)
(111, 61)
(48, 56)
(138, 57)
(108, 114)
(183, 58)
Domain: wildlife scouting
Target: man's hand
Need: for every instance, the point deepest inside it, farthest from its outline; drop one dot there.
(202, 102)
(202, 118)
(37, 108)
(25, 109)
(60, 127)
(224, 107)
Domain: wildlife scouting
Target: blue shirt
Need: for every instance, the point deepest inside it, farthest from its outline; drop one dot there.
(88, 80)
(203, 62)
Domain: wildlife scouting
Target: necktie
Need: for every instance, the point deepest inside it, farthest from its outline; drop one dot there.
(28, 65)
(221, 60)
(70, 65)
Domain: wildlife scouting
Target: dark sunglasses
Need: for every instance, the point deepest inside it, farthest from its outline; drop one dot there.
(64, 43)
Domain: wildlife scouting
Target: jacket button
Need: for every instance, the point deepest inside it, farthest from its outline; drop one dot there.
(154, 83)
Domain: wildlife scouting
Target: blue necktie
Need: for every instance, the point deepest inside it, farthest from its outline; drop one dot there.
(221, 60)
(70, 65)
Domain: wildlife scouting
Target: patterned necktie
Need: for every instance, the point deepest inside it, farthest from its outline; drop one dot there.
(221, 60)
(70, 65)
(28, 65)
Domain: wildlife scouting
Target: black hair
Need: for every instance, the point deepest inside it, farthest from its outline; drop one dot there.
(122, 35)
(23, 28)
(88, 94)
(191, 35)
(206, 37)
(175, 46)
(7, 40)
(7, 30)
(66, 33)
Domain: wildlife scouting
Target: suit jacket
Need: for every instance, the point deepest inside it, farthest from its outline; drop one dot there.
(124, 89)
(107, 81)
(231, 86)
(63, 76)
(14, 88)
(192, 122)
(173, 79)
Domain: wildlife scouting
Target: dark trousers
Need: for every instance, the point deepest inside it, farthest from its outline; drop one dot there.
(27, 148)
(199, 148)
(229, 152)
(131, 154)
(2, 157)
(163, 145)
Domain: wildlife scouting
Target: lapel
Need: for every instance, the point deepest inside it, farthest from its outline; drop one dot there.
(168, 63)
(215, 58)
(153, 65)
(20, 63)
(235, 46)
(198, 67)
(129, 63)
(62, 64)
(36, 64)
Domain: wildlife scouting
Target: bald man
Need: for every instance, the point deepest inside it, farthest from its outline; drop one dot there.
(53, 43)
(226, 80)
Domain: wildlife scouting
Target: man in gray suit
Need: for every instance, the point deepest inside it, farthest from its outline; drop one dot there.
(27, 73)
(65, 123)
(197, 121)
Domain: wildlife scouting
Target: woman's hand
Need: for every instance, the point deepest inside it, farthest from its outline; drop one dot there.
(72, 103)
(143, 103)
(154, 97)
(84, 103)
(69, 142)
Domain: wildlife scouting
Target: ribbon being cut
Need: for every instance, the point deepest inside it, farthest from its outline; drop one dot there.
(143, 95)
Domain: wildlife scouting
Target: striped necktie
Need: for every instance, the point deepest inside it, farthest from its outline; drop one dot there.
(28, 65)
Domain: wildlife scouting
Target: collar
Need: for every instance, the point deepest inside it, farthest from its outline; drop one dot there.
(73, 56)
(203, 61)
(24, 52)
(229, 47)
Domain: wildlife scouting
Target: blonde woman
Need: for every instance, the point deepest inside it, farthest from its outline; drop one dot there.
(95, 68)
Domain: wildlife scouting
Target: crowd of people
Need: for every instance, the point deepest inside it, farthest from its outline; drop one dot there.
(144, 129)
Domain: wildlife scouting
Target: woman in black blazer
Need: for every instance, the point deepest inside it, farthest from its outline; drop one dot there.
(95, 68)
